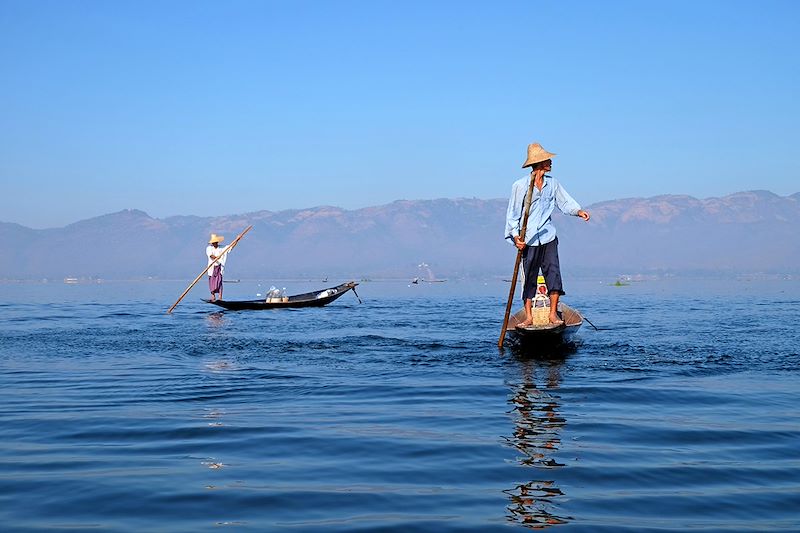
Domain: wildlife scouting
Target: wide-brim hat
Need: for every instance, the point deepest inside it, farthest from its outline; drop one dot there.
(215, 238)
(536, 154)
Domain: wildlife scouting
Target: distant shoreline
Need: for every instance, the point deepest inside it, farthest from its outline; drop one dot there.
(610, 279)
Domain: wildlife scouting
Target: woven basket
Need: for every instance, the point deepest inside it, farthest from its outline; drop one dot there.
(540, 309)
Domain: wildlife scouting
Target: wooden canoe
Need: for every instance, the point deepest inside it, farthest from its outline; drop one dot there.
(308, 299)
(546, 335)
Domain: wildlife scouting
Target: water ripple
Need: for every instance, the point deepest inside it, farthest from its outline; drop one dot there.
(399, 414)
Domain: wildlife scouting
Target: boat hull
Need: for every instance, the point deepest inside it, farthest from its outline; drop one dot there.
(545, 337)
(309, 299)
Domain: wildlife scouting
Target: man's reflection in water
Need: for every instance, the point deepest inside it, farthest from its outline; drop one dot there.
(537, 425)
(216, 320)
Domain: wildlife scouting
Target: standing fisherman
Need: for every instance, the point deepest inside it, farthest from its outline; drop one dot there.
(215, 272)
(540, 247)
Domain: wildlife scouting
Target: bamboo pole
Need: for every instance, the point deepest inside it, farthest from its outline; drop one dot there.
(224, 251)
(516, 263)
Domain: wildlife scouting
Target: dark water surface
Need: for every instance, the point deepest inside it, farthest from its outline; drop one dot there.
(399, 413)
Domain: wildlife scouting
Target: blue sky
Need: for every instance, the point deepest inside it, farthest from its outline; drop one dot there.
(214, 108)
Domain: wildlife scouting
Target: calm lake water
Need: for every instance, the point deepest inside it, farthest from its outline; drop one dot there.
(400, 413)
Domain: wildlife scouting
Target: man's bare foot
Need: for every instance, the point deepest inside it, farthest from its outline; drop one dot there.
(525, 323)
(555, 320)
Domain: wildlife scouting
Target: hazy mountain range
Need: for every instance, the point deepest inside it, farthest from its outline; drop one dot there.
(746, 232)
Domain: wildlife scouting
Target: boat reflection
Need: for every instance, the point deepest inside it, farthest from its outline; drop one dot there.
(536, 436)
(541, 351)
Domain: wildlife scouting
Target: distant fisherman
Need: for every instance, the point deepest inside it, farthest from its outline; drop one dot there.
(540, 247)
(215, 272)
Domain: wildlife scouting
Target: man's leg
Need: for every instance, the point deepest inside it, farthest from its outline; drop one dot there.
(554, 295)
(531, 261)
(551, 269)
(528, 313)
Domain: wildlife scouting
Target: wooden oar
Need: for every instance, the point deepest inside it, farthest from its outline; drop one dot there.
(224, 251)
(516, 264)
(354, 292)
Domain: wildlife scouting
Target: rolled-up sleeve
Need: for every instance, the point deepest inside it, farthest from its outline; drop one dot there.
(566, 204)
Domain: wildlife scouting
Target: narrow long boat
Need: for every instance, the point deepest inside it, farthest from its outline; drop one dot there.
(547, 335)
(307, 299)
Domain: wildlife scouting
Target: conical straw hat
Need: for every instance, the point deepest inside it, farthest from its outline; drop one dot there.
(536, 154)
(215, 238)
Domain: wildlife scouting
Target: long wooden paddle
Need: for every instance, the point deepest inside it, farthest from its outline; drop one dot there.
(516, 264)
(224, 251)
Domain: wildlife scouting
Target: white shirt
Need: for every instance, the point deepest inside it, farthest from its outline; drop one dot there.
(210, 250)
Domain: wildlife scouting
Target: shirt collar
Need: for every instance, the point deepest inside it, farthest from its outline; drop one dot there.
(545, 182)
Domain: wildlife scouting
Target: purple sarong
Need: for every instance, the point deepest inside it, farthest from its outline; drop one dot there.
(215, 280)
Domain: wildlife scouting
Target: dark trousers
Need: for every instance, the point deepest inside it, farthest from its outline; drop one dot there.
(544, 257)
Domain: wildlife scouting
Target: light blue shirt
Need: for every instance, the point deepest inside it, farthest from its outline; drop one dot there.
(540, 229)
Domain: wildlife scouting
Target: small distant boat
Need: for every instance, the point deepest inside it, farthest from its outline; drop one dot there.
(308, 299)
(416, 281)
(546, 335)
(70, 281)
